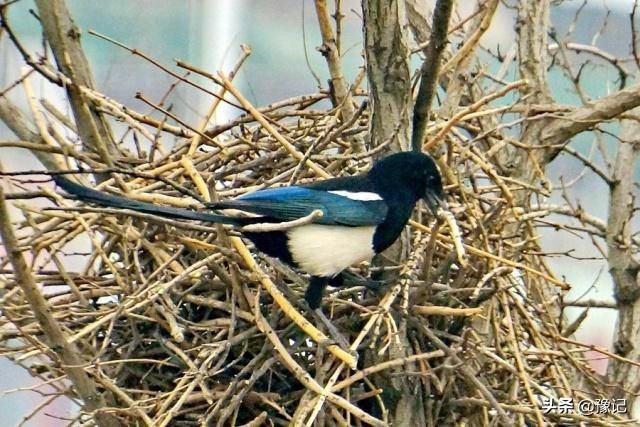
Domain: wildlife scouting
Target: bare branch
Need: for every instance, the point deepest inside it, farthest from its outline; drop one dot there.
(60, 347)
(561, 129)
(597, 52)
(331, 53)
(64, 38)
(279, 226)
(591, 304)
(148, 292)
(430, 71)
(21, 127)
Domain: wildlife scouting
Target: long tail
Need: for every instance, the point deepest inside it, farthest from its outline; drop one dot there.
(105, 199)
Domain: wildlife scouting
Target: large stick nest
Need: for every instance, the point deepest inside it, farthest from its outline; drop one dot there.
(176, 324)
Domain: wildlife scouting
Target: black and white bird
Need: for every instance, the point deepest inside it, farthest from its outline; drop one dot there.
(361, 215)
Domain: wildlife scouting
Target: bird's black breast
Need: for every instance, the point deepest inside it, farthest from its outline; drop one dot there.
(397, 217)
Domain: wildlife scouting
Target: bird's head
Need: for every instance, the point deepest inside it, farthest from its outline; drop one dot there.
(413, 172)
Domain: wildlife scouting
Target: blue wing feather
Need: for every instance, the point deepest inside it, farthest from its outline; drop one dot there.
(290, 203)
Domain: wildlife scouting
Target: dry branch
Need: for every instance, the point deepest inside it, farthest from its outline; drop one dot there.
(174, 315)
(331, 52)
(64, 39)
(561, 129)
(430, 71)
(59, 346)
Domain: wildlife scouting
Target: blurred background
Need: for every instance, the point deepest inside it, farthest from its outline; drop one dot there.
(283, 37)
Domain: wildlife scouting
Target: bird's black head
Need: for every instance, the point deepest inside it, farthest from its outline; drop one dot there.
(413, 173)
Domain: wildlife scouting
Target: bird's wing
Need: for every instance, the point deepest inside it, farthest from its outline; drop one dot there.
(291, 203)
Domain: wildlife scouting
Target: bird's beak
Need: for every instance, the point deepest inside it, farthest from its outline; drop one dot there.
(435, 202)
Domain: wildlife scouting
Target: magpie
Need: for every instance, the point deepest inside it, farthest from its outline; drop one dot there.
(362, 215)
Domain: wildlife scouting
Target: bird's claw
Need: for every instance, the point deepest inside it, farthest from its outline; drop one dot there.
(327, 342)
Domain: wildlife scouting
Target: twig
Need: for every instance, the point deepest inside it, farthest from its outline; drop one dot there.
(470, 109)
(331, 53)
(286, 225)
(502, 260)
(147, 58)
(63, 349)
(432, 310)
(64, 39)
(456, 237)
(591, 303)
(305, 378)
(260, 118)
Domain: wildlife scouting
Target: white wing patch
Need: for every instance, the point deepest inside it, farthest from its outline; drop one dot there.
(362, 195)
(326, 250)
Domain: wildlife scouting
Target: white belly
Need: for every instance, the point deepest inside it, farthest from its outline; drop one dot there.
(326, 250)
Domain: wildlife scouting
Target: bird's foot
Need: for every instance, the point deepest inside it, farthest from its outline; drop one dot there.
(336, 337)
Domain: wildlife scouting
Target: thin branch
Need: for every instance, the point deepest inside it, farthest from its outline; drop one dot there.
(591, 304)
(142, 55)
(67, 352)
(590, 164)
(331, 53)
(460, 115)
(597, 52)
(286, 225)
(261, 119)
(430, 71)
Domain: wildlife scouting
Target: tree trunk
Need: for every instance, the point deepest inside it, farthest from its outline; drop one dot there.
(624, 377)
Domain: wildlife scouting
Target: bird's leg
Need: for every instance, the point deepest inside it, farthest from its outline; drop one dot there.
(337, 281)
(313, 296)
(315, 290)
(332, 330)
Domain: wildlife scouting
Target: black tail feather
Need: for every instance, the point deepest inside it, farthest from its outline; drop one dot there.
(105, 199)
